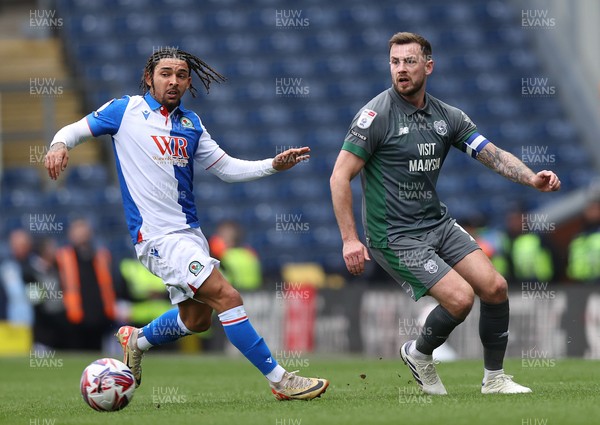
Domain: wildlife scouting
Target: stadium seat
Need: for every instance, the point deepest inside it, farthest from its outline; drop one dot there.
(480, 50)
(21, 178)
(89, 176)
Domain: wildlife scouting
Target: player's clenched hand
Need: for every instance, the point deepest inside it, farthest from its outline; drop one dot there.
(287, 159)
(355, 254)
(546, 181)
(56, 160)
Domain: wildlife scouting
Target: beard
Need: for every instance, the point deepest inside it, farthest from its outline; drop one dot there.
(410, 90)
(165, 99)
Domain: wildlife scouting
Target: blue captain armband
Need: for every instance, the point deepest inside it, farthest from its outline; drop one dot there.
(474, 144)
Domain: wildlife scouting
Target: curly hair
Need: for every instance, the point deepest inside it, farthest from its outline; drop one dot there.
(206, 74)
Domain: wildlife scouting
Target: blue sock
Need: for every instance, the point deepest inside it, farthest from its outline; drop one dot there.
(242, 335)
(165, 328)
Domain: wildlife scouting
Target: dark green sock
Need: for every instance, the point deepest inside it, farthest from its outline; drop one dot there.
(438, 326)
(493, 331)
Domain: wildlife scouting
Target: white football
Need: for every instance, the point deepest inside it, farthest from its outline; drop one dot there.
(107, 385)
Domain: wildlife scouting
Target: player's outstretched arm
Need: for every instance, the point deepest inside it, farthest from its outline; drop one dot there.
(509, 166)
(346, 168)
(232, 170)
(57, 158)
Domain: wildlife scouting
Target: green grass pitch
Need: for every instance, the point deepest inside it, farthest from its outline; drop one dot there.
(201, 390)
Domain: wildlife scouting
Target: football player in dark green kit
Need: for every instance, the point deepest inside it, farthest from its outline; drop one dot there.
(398, 142)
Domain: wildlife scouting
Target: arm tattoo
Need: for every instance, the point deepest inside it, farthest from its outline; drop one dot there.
(57, 146)
(505, 164)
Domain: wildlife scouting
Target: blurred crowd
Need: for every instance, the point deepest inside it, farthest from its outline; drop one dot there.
(531, 248)
(73, 297)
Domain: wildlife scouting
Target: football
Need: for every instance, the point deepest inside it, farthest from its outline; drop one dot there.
(107, 385)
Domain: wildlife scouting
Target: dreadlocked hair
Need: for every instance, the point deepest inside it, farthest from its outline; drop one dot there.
(206, 74)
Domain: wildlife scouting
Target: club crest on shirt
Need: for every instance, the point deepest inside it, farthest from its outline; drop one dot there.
(440, 127)
(195, 268)
(366, 118)
(186, 122)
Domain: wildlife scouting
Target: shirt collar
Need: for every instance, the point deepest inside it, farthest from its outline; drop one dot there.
(154, 104)
(407, 108)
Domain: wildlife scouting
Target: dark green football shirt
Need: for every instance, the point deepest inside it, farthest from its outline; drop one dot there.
(404, 149)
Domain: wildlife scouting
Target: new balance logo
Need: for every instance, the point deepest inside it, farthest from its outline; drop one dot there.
(403, 130)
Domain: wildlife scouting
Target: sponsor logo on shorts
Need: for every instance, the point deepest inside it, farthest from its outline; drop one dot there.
(431, 266)
(195, 267)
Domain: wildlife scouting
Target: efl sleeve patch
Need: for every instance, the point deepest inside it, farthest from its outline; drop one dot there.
(365, 133)
(366, 118)
(107, 118)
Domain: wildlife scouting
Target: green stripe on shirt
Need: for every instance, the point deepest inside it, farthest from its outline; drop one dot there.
(356, 150)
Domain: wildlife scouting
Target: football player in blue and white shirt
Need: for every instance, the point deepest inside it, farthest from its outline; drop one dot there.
(157, 144)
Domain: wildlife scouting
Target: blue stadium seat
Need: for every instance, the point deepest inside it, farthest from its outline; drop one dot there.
(21, 178)
(481, 54)
(89, 176)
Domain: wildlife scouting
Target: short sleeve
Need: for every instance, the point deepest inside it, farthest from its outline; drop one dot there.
(107, 118)
(366, 132)
(467, 138)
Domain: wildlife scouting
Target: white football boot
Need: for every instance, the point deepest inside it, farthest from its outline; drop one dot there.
(423, 371)
(503, 384)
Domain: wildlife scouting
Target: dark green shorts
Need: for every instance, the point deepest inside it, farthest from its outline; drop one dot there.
(417, 262)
